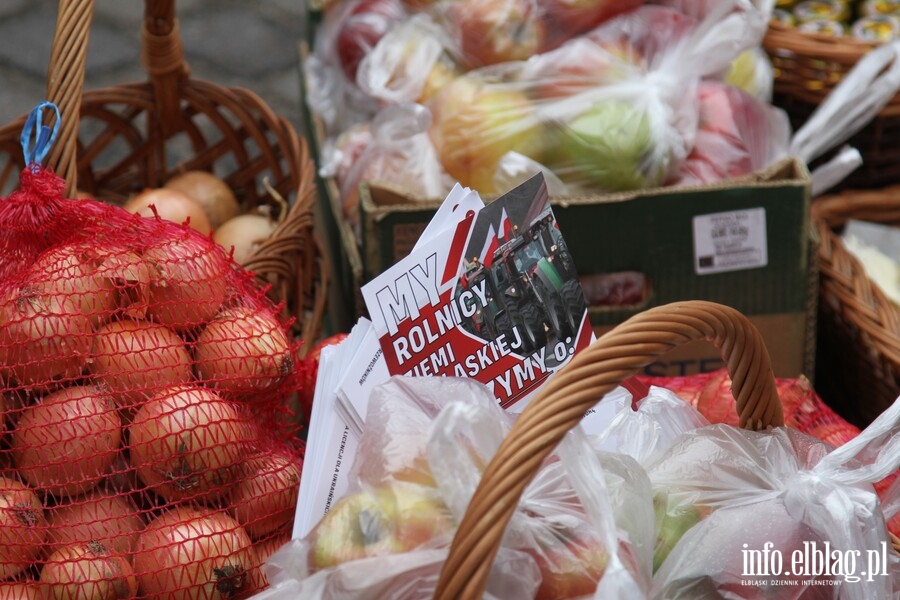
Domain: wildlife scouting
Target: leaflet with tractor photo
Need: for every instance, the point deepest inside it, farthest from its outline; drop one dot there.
(494, 297)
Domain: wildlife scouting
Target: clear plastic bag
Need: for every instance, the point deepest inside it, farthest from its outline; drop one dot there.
(398, 152)
(612, 110)
(583, 519)
(788, 489)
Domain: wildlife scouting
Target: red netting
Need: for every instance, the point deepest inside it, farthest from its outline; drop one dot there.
(148, 450)
(710, 393)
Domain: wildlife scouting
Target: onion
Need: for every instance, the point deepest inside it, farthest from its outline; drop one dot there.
(210, 192)
(243, 234)
(99, 515)
(243, 350)
(187, 442)
(170, 205)
(87, 571)
(45, 337)
(65, 443)
(266, 497)
(268, 545)
(131, 275)
(19, 590)
(74, 271)
(138, 359)
(191, 553)
(22, 527)
(191, 283)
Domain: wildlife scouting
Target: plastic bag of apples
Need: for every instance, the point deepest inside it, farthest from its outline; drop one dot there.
(144, 379)
(417, 465)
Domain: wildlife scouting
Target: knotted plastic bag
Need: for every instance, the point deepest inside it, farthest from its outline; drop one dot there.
(772, 505)
(144, 379)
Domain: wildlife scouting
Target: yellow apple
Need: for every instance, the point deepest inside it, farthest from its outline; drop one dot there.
(389, 519)
(476, 123)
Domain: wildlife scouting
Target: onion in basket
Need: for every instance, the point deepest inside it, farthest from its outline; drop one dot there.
(44, 337)
(243, 350)
(191, 283)
(187, 442)
(195, 553)
(23, 526)
(171, 205)
(65, 443)
(87, 571)
(214, 196)
(244, 233)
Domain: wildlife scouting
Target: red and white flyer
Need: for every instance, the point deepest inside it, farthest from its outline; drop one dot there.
(494, 296)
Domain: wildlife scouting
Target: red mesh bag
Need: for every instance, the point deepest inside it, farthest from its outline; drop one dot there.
(145, 379)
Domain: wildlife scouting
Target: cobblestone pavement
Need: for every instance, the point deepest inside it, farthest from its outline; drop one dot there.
(241, 43)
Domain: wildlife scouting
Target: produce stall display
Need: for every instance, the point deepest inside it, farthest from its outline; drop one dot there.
(179, 420)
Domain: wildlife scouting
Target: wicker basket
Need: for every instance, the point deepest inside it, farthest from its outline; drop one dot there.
(117, 141)
(563, 401)
(858, 362)
(807, 67)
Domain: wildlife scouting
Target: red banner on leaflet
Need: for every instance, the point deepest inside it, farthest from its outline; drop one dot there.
(493, 296)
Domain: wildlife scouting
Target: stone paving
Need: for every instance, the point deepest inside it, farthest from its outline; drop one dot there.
(240, 43)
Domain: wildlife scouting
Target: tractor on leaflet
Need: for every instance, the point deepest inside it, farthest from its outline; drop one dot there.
(531, 284)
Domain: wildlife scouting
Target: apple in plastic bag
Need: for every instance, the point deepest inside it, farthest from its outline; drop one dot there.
(476, 123)
(582, 65)
(359, 31)
(389, 519)
(611, 146)
(571, 562)
(711, 560)
(673, 520)
(495, 31)
(571, 17)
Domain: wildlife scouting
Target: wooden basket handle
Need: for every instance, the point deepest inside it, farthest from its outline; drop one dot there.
(162, 55)
(560, 405)
(65, 83)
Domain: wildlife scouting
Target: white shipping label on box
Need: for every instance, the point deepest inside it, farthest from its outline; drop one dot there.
(730, 241)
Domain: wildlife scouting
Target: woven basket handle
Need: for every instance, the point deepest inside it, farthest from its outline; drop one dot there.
(162, 55)
(65, 83)
(576, 388)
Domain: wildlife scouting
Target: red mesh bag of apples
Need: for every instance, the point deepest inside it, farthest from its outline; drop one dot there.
(144, 376)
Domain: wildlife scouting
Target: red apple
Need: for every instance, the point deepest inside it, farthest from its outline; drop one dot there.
(654, 31)
(581, 65)
(476, 123)
(737, 134)
(569, 18)
(361, 28)
(494, 31)
(571, 562)
(389, 519)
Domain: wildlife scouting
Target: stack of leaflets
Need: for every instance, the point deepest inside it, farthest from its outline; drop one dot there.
(489, 292)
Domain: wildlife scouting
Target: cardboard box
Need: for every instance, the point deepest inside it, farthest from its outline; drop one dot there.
(656, 237)
(648, 232)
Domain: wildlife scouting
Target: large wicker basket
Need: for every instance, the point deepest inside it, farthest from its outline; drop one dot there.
(117, 141)
(807, 67)
(560, 405)
(858, 361)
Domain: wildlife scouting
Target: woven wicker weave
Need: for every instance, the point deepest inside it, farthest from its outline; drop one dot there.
(807, 67)
(117, 141)
(859, 326)
(573, 390)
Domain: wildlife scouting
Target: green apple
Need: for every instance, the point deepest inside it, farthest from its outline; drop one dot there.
(673, 519)
(389, 519)
(475, 123)
(609, 146)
